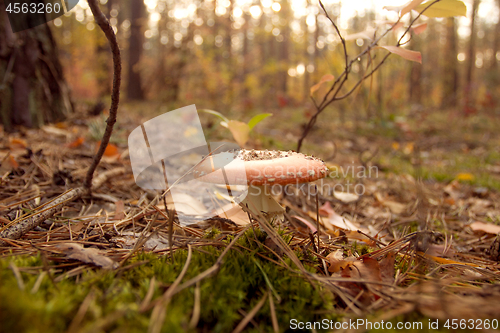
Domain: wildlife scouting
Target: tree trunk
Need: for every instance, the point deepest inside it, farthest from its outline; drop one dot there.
(471, 62)
(284, 49)
(134, 86)
(103, 59)
(450, 66)
(33, 90)
(415, 87)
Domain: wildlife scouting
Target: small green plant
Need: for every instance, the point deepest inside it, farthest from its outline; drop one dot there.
(239, 130)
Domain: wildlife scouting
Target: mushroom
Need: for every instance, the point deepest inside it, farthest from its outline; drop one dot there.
(260, 169)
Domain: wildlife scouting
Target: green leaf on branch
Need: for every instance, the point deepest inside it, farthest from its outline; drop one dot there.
(215, 113)
(443, 8)
(257, 119)
(407, 54)
(239, 130)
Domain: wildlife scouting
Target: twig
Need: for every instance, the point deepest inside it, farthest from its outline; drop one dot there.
(103, 22)
(19, 229)
(241, 326)
(332, 94)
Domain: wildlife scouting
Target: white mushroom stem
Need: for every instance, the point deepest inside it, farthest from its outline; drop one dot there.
(259, 200)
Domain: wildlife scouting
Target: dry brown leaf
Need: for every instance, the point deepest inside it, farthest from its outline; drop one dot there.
(119, 211)
(307, 223)
(76, 143)
(55, 131)
(186, 204)
(395, 207)
(337, 261)
(335, 220)
(87, 255)
(387, 269)
(488, 228)
(345, 197)
(235, 213)
(16, 143)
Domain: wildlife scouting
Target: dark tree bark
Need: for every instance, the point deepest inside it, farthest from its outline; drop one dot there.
(33, 90)
(134, 85)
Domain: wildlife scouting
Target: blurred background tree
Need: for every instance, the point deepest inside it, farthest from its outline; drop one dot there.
(32, 85)
(240, 55)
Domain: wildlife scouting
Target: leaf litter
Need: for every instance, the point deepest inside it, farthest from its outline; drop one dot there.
(369, 251)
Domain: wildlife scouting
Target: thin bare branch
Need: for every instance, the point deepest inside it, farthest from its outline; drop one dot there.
(103, 22)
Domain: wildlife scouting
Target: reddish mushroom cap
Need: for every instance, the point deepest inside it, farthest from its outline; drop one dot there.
(260, 167)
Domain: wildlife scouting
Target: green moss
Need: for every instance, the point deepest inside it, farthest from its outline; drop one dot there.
(116, 296)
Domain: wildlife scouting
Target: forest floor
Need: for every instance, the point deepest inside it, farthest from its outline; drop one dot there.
(423, 191)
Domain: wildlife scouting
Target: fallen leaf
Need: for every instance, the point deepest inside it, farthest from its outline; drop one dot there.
(335, 220)
(76, 143)
(488, 228)
(186, 204)
(395, 207)
(16, 143)
(13, 163)
(337, 261)
(387, 269)
(465, 176)
(119, 211)
(87, 255)
(235, 213)
(307, 223)
(55, 131)
(345, 197)
(111, 150)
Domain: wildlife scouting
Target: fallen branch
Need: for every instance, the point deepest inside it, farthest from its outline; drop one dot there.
(22, 227)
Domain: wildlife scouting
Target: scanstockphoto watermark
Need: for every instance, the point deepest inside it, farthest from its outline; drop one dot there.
(354, 324)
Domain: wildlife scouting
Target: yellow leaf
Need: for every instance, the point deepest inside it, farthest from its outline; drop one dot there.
(325, 78)
(465, 176)
(407, 54)
(240, 131)
(409, 148)
(443, 8)
(395, 145)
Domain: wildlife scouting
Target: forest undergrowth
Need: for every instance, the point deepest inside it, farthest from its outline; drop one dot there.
(416, 243)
